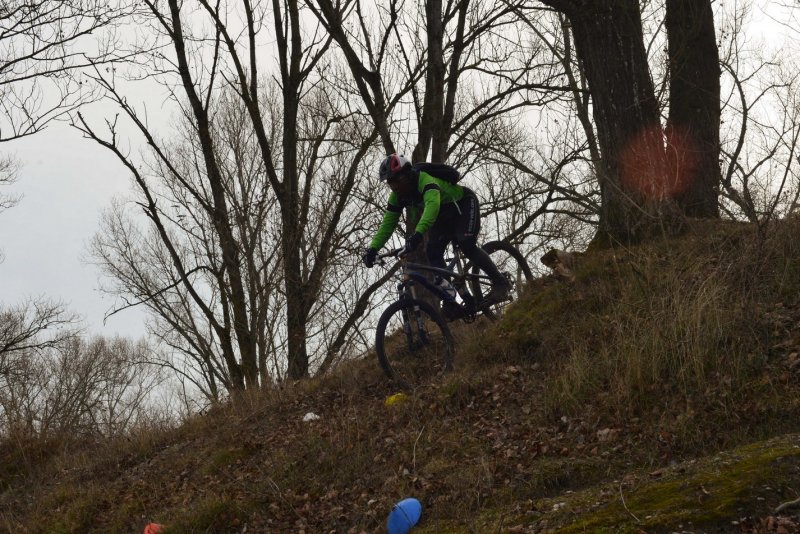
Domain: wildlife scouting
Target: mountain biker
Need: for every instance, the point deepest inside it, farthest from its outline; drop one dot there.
(450, 212)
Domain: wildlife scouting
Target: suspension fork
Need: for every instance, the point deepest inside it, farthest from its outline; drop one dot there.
(403, 293)
(407, 290)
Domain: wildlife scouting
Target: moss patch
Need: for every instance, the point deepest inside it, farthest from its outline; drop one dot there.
(750, 479)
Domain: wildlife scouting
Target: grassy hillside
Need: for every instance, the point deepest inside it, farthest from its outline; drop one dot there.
(656, 392)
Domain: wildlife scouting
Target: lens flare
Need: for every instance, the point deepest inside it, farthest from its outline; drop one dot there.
(659, 164)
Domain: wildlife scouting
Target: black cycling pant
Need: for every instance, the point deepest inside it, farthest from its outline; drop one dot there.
(461, 223)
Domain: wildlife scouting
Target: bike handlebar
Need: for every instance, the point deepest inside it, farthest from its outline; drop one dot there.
(380, 259)
(392, 253)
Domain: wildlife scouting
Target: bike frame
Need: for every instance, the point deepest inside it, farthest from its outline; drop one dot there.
(414, 273)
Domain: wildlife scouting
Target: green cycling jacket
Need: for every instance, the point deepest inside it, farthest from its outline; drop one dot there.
(431, 193)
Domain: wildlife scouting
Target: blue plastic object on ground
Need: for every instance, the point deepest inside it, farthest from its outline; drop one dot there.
(404, 515)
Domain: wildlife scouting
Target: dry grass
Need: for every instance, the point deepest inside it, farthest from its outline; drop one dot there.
(666, 321)
(674, 349)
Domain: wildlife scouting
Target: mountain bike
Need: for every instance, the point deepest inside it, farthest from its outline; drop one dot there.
(413, 338)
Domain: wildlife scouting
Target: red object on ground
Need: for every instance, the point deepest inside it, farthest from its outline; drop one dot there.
(153, 528)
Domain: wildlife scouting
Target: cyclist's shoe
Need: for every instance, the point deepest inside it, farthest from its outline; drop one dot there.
(499, 293)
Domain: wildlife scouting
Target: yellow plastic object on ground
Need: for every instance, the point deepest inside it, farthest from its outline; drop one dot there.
(394, 400)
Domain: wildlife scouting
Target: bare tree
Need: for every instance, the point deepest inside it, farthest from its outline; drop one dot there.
(388, 60)
(8, 175)
(27, 331)
(78, 387)
(609, 42)
(761, 116)
(42, 44)
(32, 326)
(538, 175)
(466, 84)
(302, 145)
(193, 313)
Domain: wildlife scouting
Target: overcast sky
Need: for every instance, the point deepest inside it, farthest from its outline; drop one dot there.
(65, 182)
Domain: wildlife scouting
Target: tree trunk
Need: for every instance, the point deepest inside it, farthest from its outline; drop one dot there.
(292, 236)
(293, 228)
(636, 194)
(694, 109)
(430, 123)
(296, 310)
(231, 261)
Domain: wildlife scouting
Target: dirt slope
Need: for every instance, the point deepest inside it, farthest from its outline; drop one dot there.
(521, 438)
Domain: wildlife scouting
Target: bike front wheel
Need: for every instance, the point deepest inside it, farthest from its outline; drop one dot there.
(413, 342)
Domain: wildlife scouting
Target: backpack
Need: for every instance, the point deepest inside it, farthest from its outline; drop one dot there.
(441, 171)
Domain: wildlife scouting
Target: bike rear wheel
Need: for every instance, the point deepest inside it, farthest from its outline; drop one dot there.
(512, 264)
(413, 342)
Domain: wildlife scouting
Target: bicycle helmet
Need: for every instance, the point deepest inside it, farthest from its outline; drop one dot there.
(393, 166)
